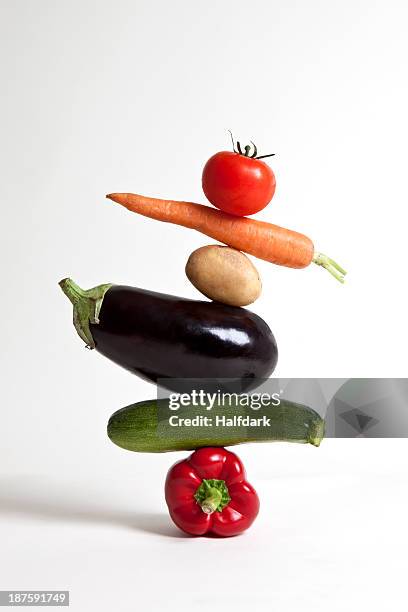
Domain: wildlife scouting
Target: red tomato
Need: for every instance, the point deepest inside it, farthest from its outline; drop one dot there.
(238, 184)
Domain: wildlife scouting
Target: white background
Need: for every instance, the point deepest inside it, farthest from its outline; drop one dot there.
(135, 96)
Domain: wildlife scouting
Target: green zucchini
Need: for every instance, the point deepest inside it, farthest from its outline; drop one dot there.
(144, 427)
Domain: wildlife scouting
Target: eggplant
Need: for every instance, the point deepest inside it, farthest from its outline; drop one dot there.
(158, 336)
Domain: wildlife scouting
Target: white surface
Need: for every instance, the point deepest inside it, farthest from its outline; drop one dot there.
(110, 96)
(330, 536)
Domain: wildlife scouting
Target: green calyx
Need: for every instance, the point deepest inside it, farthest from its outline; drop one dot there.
(212, 495)
(87, 305)
(251, 152)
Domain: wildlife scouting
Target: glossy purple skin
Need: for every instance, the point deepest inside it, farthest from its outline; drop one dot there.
(158, 336)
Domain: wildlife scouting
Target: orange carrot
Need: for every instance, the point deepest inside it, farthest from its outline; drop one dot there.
(263, 240)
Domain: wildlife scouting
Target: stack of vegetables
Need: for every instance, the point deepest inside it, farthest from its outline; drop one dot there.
(162, 337)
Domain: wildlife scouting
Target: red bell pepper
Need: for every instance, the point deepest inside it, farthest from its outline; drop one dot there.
(208, 493)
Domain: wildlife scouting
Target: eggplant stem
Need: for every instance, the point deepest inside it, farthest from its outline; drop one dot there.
(330, 265)
(87, 305)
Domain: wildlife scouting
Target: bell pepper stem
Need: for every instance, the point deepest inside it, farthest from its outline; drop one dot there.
(212, 495)
(87, 305)
(212, 500)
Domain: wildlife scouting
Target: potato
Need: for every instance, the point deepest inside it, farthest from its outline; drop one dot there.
(224, 275)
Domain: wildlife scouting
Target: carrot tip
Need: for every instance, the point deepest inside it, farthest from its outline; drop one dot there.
(116, 197)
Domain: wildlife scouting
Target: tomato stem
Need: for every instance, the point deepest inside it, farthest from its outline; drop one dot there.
(233, 143)
(247, 149)
(263, 156)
